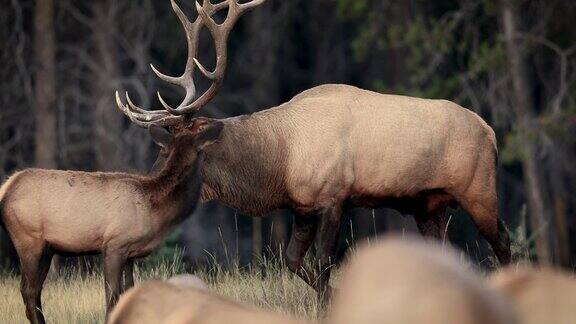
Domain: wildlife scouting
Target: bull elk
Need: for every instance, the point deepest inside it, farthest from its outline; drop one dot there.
(335, 147)
(122, 216)
(183, 300)
(403, 280)
(539, 295)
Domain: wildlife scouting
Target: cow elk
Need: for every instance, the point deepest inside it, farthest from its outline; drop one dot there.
(122, 216)
(335, 147)
(402, 280)
(186, 300)
(539, 295)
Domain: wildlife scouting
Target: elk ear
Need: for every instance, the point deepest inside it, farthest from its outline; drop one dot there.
(209, 134)
(160, 135)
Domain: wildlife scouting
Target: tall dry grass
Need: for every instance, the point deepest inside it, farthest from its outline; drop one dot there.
(70, 298)
(269, 285)
(75, 298)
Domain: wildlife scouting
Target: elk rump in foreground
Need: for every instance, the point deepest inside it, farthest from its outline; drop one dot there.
(539, 295)
(123, 216)
(404, 280)
(183, 300)
(335, 147)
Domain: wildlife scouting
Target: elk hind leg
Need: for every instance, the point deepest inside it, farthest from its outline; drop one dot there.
(34, 267)
(482, 206)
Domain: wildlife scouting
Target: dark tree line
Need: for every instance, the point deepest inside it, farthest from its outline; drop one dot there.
(513, 62)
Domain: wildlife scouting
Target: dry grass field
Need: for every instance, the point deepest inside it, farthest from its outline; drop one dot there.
(73, 298)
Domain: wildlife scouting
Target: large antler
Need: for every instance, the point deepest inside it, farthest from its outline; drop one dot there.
(220, 32)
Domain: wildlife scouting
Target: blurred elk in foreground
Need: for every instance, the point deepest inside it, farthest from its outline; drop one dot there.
(335, 147)
(185, 299)
(402, 280)
(539, 295)
(123, 216)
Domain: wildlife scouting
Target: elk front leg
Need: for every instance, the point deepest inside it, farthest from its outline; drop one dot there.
(303, 233)
(113, 268)
(128, 275)
(327, 237)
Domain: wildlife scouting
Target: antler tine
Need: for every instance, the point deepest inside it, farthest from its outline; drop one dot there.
(192, 34)
(126, 111)
(164, 121)
(220, 33)
(139, 111)
(143, 117)
(192, 31)
(250, 5)
(167, 78)
(204, 12)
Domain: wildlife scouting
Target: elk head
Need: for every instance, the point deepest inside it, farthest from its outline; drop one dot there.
(181, 118)
(184, 141)
(191, 139)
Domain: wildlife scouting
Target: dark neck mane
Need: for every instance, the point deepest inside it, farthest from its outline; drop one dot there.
(174, 182)
(246, 168)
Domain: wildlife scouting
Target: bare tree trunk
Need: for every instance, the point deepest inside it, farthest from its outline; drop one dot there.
(45, 116)
(561, 229)
(45, 140)
(110, 154)
(559, 196)
(540, 213)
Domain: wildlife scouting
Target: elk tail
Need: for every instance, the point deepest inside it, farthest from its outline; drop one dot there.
(3, 191)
